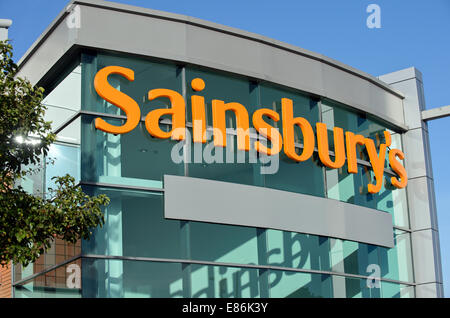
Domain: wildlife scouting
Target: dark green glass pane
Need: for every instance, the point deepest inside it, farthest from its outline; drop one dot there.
(302, 177)
(224, 243)
(224, 87)
(297, 250)
(148, 75)
(224, 163)
(135, 158)
(303, 106)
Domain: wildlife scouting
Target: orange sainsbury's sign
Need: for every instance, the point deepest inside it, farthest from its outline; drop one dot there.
(344, 143)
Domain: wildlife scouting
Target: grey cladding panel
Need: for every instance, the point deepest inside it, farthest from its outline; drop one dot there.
(203, 200)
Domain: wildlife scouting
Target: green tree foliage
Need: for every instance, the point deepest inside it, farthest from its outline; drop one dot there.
(29, 224)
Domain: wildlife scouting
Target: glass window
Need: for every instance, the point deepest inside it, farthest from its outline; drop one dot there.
(303, 106)
(224, 282)
(71, 133)
(224, 243)
(393, 201)
(338, 115)
(297, 250)
(148, 75)
(353, 257)
(224, 164)
(394, 290)
(221, 86)
(62, 282)
(284, 284)
(63, 99)
(397, 261)
(302, 177)
(353, 188)
(135, 158)
(349, 187)
(134, 226)
(59, 252)
(33, 181)
(131, 279)
(64, 159)
(350, 287)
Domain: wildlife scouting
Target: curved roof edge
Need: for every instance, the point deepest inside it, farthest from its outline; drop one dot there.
(214, 26)
(323, 76)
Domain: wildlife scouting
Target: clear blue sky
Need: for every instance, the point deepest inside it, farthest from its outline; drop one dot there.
(413, 33)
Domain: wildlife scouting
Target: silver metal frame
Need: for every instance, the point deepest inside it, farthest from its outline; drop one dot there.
(198, 262)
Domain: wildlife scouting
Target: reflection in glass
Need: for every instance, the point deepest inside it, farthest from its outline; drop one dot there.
(138, 279)
(224, 282)
(284, 284)
(62, 282)
(224, 243)
(397, 261)
(352, 257)
(148, 75)
(297, 250)
(302, 177)
(33, 181)
(224, 164)
(350, 287)
(221, 86)
(63, 100)
(352, 188)
(393, 290)
(134, 226)
(63, 159)
(59, 252)
(135, 158)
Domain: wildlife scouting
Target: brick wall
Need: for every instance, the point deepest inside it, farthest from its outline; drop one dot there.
(5, 282)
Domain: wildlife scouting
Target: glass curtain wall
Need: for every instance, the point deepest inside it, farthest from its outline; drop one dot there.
(139, 253)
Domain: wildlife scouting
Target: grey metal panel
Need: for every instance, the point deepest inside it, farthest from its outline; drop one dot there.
(411, 103)
(401, 75)
(409, 82)
(350, 90)
(283, 67)
(235, 32)
(416, 148)
(153, 33)
(38, 61)
(223, 51)
(430, 290)
(344, 86)
(204, 200)
(421, 204)
(436, 113)
(426, 253)
(386, 104)
(127, 32)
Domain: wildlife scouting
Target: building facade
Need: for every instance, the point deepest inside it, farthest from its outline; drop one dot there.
(194, 219)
